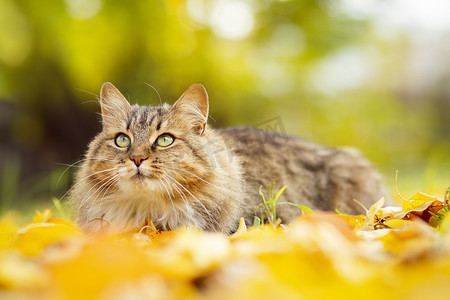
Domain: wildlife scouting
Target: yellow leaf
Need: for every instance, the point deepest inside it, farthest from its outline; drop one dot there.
(374, 209)
(396, 223)
(373, 214)
(422, 211)
(148, 226)
(417, 200)
(8, 230)
(99, 265)
(33, 238)
(355, 221)
(41, 217)
(18, 272)
(423, 196)
(242, 227)
(411, 242)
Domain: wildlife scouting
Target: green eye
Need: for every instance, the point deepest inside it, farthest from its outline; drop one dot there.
(164, 140)
(122, 140)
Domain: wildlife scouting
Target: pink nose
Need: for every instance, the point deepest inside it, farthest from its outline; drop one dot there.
(138, 159)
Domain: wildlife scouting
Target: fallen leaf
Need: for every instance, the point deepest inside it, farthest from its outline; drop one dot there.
(417, 200)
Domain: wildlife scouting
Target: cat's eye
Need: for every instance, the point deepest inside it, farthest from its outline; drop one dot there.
(165, 140)
(122, 140)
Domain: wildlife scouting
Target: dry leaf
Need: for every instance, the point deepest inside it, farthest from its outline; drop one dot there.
(317, 256)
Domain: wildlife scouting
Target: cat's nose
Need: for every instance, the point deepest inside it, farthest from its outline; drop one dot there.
(138, 159)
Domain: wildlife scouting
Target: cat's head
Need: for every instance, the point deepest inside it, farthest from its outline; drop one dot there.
(154, 151)
(146, 142)
(158, 162)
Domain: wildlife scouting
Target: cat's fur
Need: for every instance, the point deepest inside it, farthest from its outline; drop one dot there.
(207, 178)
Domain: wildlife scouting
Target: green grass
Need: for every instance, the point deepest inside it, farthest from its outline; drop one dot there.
(269, 210)
(35, 193)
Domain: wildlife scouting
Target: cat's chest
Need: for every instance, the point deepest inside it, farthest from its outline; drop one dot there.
(127, 212)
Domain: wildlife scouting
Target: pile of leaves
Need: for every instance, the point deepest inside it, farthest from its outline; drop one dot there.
(391, 252)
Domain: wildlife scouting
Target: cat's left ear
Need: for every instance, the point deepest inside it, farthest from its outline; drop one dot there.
(193, 104)
(115, 106)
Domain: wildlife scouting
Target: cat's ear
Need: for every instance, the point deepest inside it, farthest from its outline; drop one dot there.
(193, 105)
(114, 105)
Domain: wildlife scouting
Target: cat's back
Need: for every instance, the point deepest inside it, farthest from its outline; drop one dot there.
(317, 176)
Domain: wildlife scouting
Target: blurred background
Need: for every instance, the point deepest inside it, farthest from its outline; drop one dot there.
(366, 73)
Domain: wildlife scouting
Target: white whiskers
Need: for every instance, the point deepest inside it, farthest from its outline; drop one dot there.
(83, 160)
(168, 201)
(88, 195)
(80, 181)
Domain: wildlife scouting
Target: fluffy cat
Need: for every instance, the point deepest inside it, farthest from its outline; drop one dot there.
(165, 163)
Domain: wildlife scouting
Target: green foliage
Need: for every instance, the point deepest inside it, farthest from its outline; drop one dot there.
(440, 215)
(269, 210)
(54, 56)
(9, 183)
(443, 213)
(59, 208)
(39, 192)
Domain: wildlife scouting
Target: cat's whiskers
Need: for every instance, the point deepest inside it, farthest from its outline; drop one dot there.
(107, 186)
(182, 177)
(86, 184)
(168, 165)
(89, 93)
(192, 195)
(176, 188)
(80, 161)
(206, 210)
(68, 165)
(196, 176)
(168, 192)
(83, 181)
(188, 211)
(159, 96)
(88, 194)
(177, 174)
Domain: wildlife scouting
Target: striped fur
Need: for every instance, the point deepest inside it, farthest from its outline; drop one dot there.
(206, 178)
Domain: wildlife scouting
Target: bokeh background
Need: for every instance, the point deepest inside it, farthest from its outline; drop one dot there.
(367, 73)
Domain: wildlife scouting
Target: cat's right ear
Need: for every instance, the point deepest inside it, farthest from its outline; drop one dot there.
(114, 105)
(193, 106)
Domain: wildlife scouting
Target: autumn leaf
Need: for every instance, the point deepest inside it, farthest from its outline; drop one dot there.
(8, 230)
(43, 231)
(355, 221)
(317, 256)
(417, 200)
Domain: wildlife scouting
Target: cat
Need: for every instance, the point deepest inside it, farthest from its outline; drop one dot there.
(167, 164)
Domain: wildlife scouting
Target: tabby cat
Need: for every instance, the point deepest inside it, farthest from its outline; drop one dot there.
(165, 163)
